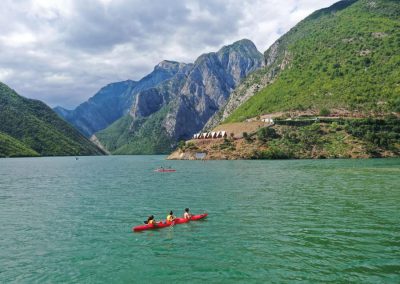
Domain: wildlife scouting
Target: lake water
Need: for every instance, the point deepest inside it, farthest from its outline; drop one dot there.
(67, 220)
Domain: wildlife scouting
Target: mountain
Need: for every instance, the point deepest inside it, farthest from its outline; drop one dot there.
(179, 107)
(11, 147)
(101, 110)
(30, 128)
(114, 100)
(331, 86)
(345, 57)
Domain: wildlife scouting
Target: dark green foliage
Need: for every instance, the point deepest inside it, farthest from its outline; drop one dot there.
(247, 137)
(324, 112)
(181, 144)
(227, 144)
(187, 146)
(39, 129)
(117, 134)
(273, 153)
(378, 132)
(332, 139)
(297, 122)
(10, 147)
(140, 136)
(266, 133)
(191, 146)
(395, 104)
(337, 58)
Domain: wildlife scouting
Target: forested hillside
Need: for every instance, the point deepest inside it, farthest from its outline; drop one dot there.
(345, 57)
(30, 128)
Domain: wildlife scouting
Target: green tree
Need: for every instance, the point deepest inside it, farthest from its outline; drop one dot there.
(181, 144)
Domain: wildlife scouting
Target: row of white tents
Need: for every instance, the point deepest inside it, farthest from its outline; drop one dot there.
(210, 135)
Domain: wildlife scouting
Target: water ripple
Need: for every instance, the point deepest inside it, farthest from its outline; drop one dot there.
(327, 221)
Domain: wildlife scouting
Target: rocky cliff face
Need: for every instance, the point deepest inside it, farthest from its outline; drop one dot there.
(209, 84)
(190, 98)
(275, 60)
(115, 100)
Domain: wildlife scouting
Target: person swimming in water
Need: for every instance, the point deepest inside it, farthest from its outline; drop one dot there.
(187, 215)
(170, 217)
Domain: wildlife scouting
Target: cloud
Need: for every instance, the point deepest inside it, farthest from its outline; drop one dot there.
(62, 52)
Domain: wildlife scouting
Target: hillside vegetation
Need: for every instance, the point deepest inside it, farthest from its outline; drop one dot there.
(10, 147)
(31, 128)
(305, 139)
(128, 136)
(343, 57)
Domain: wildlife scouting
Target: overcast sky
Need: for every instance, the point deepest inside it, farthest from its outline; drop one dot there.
(63, 51)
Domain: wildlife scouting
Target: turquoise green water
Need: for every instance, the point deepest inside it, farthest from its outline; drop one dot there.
(67, 220)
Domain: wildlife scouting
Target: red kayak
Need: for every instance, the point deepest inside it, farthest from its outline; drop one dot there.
(165, 170)
(164, 224)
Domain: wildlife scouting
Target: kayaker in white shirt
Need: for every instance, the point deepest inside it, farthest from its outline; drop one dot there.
(187, 215)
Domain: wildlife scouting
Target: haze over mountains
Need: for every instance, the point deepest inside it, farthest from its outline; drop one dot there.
(114, 100)
(168, 105)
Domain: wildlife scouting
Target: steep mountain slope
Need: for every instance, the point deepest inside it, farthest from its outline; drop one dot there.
(179, 107)
(31, 128)
(10, 147)
(114, 100)
(331, 85)
(344, 57)
(102, 109)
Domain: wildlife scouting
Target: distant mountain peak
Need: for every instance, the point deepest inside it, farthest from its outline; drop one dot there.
(166, 64)
(241, 45)
(61, 110)
(244, 42)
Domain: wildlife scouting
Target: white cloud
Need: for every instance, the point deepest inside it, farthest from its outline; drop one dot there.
(18, 39)
(62, 52)
(5, 73)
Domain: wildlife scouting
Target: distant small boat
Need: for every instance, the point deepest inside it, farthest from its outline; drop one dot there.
(162, 170)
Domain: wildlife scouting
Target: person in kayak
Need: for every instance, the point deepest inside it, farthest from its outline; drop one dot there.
(151, 221)
(187, 215)
(170, 217)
